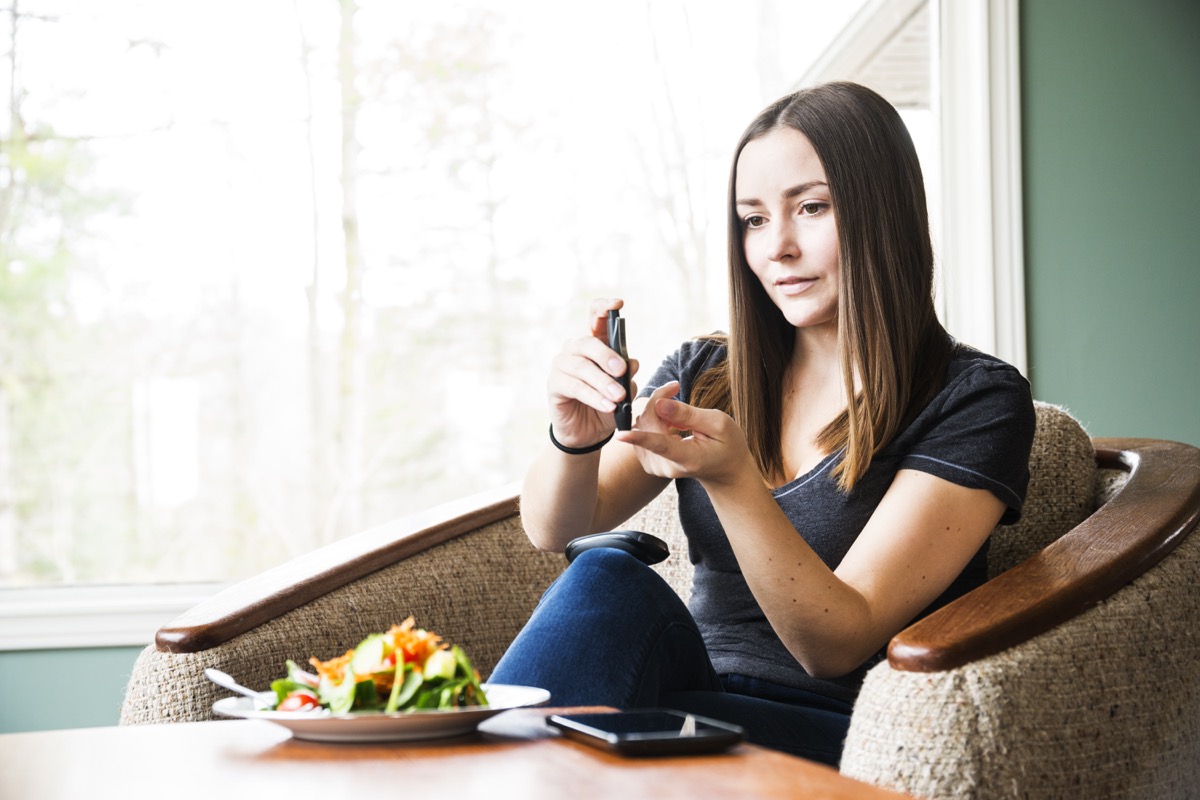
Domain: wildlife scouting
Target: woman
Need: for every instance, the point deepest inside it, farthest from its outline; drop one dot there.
(840, 460)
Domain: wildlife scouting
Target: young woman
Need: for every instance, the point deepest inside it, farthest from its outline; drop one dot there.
(840, 460)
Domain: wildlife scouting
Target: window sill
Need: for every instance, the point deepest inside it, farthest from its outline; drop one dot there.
(93, 616)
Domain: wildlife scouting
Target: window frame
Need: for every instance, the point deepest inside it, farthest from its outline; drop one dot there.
(979, 69)
(983, 233)
(70, 617)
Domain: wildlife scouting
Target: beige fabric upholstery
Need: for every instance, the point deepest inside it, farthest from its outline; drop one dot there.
(1062, 469)
(475, 591)
(1106, 705)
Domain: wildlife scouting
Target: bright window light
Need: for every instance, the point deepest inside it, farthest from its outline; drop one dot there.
(272, 273)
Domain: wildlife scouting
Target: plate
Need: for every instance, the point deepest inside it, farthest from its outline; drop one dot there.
(377, 726)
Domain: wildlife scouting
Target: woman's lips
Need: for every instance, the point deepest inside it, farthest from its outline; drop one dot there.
(794, 286)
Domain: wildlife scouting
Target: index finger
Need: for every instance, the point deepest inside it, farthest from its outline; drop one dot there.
(648, 419)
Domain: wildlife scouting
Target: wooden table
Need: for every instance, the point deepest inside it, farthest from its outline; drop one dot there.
(513, 756)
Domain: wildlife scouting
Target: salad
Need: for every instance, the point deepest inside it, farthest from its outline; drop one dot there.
(405, 669)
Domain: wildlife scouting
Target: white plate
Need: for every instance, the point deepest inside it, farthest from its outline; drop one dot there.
(376, 726)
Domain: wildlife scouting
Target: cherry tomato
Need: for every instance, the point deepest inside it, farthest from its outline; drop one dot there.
(298, 701)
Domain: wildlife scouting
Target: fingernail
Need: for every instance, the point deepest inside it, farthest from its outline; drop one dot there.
(615, 366)
(615, 391)
(666, 407)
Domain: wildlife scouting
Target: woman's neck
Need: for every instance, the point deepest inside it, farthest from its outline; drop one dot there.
(815, 356)
(813, 396)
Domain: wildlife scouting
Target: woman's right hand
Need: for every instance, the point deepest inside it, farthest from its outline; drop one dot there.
(582, 388)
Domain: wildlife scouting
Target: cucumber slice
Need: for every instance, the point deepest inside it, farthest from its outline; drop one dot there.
(369, 655)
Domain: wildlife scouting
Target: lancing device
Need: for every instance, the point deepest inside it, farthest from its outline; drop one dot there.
(616, 341)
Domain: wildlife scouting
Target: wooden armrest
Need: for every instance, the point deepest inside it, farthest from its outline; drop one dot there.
(273, 593)
(1158, 506)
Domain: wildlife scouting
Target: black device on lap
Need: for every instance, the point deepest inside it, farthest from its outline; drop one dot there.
(647, 548)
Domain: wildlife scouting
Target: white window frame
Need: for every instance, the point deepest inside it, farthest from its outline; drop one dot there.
(982, 230)
(62, 617)
(982, 237)
(981, 240)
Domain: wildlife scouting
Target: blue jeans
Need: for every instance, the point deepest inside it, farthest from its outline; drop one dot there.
(611, 632)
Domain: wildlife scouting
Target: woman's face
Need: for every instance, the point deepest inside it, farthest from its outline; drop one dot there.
(788, 228)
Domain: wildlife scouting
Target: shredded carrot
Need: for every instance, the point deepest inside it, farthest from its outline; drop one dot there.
(417, 644)
(414, 644)
(333, 669)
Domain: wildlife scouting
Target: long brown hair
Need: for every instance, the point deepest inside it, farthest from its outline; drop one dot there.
(893, 350)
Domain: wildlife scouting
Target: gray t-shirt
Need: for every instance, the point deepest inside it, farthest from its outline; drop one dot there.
(977, 432)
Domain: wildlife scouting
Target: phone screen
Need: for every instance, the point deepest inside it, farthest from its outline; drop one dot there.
(650, 731)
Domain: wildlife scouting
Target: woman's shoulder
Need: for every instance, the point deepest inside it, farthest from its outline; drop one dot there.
(710, 347)
(699, 353)
(693, 358)
(974, 369)
(980, 387)
(978, 430)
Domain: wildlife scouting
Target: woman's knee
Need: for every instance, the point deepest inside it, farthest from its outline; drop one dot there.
(608, 561)
(611, 584)
(608, 568)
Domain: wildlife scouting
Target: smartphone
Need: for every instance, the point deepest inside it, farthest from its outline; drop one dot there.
(616, 341)
(649, 732)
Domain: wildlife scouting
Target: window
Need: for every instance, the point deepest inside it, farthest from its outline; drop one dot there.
(278, 272)
(274, 273)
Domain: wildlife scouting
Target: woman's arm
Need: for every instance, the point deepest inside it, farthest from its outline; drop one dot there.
(566, 495)
(920, 537)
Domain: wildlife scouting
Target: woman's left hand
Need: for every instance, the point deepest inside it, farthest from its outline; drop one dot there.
(713, 451)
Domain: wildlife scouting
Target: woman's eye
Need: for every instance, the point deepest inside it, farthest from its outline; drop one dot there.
(812, 208)
(754, 221)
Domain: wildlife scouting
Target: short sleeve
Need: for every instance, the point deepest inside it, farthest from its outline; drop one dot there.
(978, 433)
(691, 360)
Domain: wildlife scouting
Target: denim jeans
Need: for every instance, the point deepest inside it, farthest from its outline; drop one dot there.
(610, 631)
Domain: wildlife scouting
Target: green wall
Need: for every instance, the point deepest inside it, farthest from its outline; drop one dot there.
(1111, 119)
(50, 689)
(1111, 147)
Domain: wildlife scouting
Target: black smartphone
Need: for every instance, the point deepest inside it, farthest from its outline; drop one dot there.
(649, 732)
(616, 341)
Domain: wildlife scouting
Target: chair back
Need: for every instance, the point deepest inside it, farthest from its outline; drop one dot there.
(1061, 494)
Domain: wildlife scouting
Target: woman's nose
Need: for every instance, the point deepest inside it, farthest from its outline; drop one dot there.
(784, 242)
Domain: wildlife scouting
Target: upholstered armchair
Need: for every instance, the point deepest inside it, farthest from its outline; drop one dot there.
(1071, 674)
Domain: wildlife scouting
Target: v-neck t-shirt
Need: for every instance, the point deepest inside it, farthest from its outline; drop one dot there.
(976, 432)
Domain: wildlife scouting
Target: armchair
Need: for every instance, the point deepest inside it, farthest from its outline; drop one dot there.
(1071, 673)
